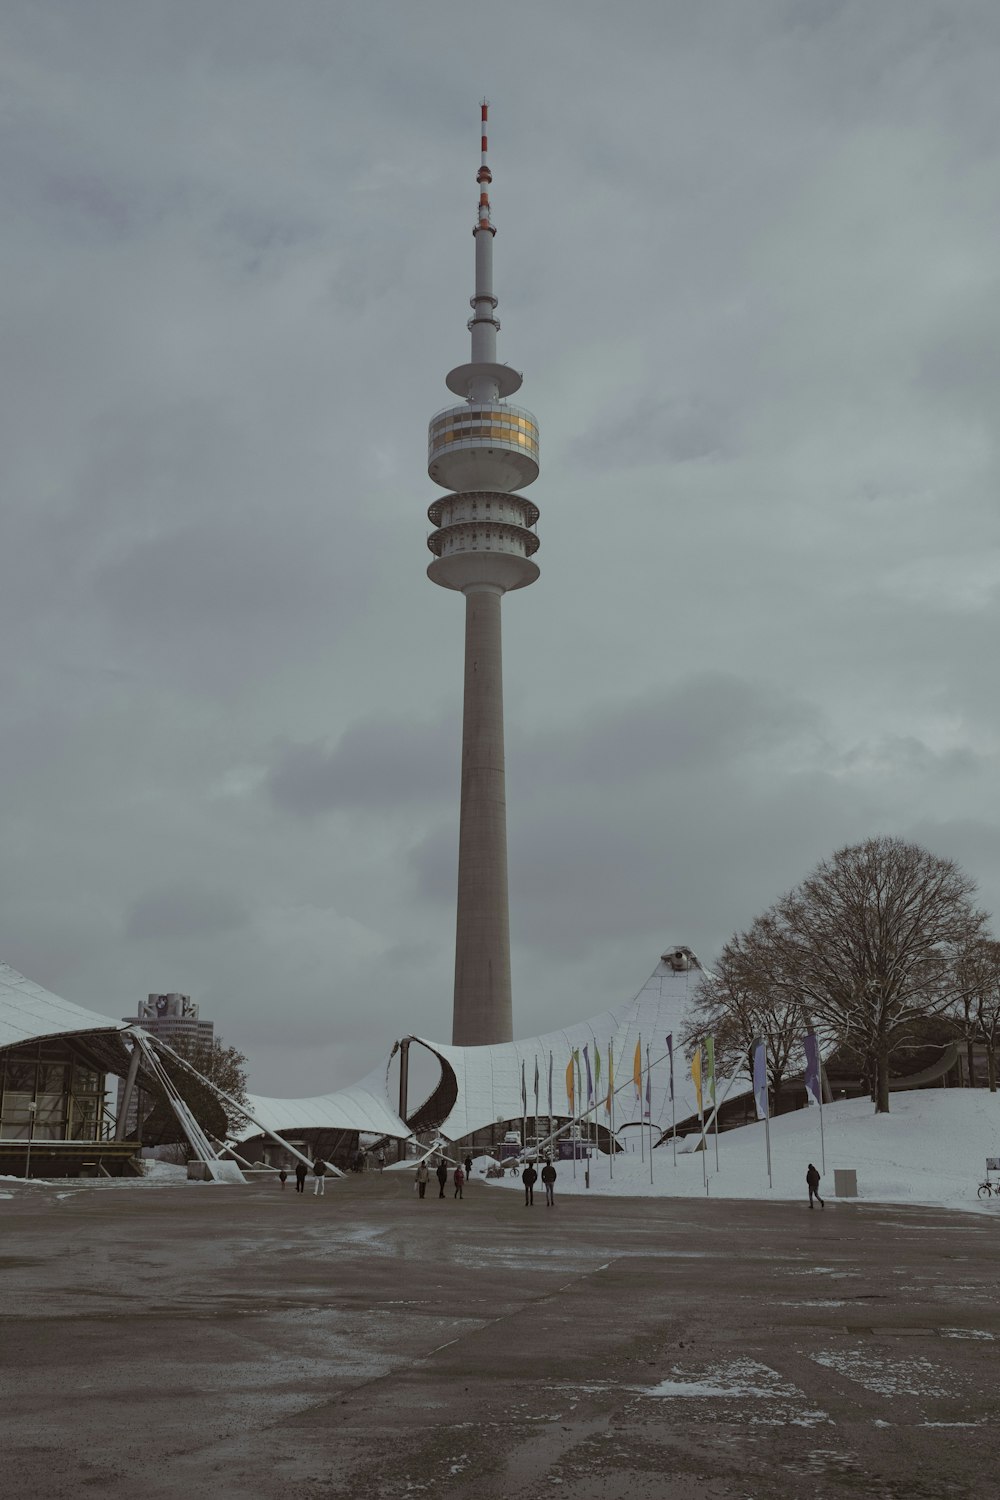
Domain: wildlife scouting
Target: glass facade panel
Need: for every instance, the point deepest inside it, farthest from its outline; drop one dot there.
(85, 1080)
(19, 1075)
(52, 1078)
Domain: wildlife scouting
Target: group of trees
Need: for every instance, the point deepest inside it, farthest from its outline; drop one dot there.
(878, 939)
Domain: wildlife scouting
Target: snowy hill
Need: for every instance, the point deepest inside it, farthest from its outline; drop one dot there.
(931, 1148)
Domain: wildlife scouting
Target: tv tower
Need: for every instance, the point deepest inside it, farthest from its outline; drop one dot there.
(483, 451)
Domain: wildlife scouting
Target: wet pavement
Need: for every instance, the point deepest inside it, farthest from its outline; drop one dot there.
(253, 1343)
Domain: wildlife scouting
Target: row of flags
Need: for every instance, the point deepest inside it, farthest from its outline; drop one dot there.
(702, 1076)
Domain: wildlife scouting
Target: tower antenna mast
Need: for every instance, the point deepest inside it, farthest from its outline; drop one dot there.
(483, 452)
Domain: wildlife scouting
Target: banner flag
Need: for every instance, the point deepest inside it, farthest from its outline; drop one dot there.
(649, 1097)
(637, 1069)
(760, 1078)
(590, 1081)
(696, 1076)
(570, 1086)
(524, 1091)
(536, 1088)
(710, 1058)
(550, 1086)
(597, 1071)
(814, 1086)
(611, 1078)
(670, 1050)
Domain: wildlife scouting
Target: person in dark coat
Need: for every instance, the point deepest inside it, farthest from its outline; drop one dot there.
(468, 1168)
(459, 1182)
(529, 1177)
(442, 1177)
(300, 1176)
(812, 1183)
(282, 1178)
(549, 1180)
(422, 1176)
(319, 1172)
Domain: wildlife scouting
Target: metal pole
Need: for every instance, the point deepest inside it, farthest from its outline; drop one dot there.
(611, 1112)
(121, 1124)
(767, 1137)
(822, 1141)
(31, 1128)
(649, 1110)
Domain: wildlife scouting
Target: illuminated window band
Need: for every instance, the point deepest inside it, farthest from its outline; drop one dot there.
(490, 423)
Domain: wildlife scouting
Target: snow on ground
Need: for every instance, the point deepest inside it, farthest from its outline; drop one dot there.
(931, 1148)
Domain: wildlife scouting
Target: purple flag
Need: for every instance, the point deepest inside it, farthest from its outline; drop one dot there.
(590, 1081)
(550, 1083)
(670, 1049)
(814, 1084)
(760, 1078)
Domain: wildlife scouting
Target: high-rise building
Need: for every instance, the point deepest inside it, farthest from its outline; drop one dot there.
(174, 1018)
(483, 451)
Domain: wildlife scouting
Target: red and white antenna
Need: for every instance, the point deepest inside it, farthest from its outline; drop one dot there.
(484, 178)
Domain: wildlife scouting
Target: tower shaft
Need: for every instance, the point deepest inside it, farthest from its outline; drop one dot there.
(484, 452)
(482, 930)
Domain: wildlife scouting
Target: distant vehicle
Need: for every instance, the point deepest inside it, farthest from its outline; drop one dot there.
(514, 1136)
(510, 1145)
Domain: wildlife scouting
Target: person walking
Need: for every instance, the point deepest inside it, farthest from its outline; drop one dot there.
(468, 1168)
(380, 1159)
(422, 1176)
(548, 1181)
(442, 1177)
(319, 1172)
(282, 1178)
(529, 1177)
(459, 1181)
(812, 1183)
(300, 1176)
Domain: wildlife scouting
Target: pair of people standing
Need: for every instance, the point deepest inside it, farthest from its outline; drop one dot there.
(319, 1173)
(442, 1177)
(529, 1177)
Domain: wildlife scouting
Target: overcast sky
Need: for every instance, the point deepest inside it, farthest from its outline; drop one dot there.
(748, 262)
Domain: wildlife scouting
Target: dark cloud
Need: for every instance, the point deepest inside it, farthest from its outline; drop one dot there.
(182, 912)
(752, 291)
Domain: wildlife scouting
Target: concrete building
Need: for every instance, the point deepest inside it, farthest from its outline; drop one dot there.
(483, 451)
(173, 1017)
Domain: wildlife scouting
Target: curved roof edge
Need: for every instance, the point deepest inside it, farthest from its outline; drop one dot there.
(29, 1013)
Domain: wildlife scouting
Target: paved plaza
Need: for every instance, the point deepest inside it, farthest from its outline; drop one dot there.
(254, 1343)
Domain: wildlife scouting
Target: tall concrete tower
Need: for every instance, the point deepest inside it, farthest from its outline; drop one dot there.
(483, 451)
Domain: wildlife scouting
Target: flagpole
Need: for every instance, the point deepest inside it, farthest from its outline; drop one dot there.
(611, 1112)
(822, 1141)
(673, 1098)
(649, 1111)
(767, 1138)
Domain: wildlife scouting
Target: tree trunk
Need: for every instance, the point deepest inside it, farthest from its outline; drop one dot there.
(972, 1071)
(882, 1081)
(991, 1066)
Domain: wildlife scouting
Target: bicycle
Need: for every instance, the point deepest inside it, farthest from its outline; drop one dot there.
(987, 1189)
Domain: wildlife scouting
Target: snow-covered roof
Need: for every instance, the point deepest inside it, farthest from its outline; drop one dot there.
(362, 1106)
(488, 1079)
(29, 1013)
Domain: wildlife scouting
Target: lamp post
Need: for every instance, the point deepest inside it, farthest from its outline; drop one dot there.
(31, 1126)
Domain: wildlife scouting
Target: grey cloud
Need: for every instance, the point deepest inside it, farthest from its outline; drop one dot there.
(182, 912)
(378, 764)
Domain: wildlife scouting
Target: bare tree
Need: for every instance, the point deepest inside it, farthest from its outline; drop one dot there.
(870, 940)
(978, 1003)
(745, 998)
(225, 1067)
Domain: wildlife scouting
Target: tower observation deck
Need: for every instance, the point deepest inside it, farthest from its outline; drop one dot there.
(483, 452)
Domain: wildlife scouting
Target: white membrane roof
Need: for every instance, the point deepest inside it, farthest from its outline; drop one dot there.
(29, 1013)
(362, 1106)
(489, 1078)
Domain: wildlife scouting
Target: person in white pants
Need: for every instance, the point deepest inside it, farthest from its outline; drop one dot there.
(319, 1171)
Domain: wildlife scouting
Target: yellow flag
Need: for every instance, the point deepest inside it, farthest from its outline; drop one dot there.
(696, 1075)
(570, 1086)
(637, 1069)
